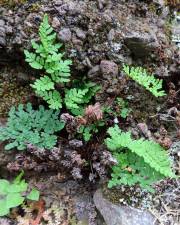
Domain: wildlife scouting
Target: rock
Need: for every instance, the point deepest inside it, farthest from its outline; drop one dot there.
(108, 69)
(141, 43)
(80, 34)
(2, 23)
(55, 22)
(2, 41)
(121, 215)
(94, 72)
(65, 35)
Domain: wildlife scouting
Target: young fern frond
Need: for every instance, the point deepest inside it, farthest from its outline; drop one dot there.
(150, 153)
(74, 97)
(142, 77)
(47, 57)
(53, 98)
(43, 84)
(77, 98)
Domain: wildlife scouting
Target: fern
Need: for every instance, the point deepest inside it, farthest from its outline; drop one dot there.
(151, 154)
(77, 98)
(141, 76)
(26, 125)
(47, 57)
(43, 84)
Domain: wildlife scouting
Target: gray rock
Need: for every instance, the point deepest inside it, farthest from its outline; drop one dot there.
(2, 41)
(65, 35)
(108, 69)
(141, 43)
(121, 215)
(2, 23)
(80, 33)
(94, 72)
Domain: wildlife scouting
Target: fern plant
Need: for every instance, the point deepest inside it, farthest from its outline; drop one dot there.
(46, 57)
(13, 194)
(26, 125)
(142, 77)
(87, 131)
(139, 161)
(76, 98)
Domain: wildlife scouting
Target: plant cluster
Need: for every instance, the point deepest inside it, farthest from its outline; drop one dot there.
(14, 194)
(139, 161)
(120, 108)
(57, 71)
(26, 125)
(47, 57)
(142, 77)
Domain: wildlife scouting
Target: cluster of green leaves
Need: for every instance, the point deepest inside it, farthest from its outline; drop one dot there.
(87, 131)
(14, 194)
(77, 98)
(120, 108)
(142, 77)
(139, 161)
(47, 57)
(26, 125)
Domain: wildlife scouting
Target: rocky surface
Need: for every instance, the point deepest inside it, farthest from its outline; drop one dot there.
(121, 215)
(92, 31)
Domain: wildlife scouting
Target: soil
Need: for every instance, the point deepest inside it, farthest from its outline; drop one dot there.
(98, 36)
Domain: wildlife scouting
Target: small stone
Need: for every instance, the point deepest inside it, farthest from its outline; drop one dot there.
(94, 72)
(2, 41)
(108, 69)
(65, 35)
(80, 34)
(2, 23)
(55, 22)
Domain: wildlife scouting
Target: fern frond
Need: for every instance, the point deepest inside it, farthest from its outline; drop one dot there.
(74, 97)
(141, 76)
(53, 98)
(34, 61)
(140, 161)
(43, 84)
(152, 153)
(131, 170)
(26, 125)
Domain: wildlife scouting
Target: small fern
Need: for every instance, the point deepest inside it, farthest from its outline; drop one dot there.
(141, 76)
(77, 98)
(152, 156)
(46, 57)
(26, 125)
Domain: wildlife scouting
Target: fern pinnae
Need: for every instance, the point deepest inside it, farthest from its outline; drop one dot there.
(141, 76)
(153, 157)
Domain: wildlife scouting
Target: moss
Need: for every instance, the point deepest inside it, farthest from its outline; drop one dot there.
(12, 3)
(34, 7)
(11, 94)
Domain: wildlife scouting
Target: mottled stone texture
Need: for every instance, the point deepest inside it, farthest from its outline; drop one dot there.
(121, 215)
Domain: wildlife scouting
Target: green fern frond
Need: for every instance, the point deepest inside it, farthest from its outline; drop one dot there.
(53, 98)
(141, 76)
(74, 97)
(47, 57)
(26, 125)
(33, 60)
(43, 84)
(153, 156)
(152, 153)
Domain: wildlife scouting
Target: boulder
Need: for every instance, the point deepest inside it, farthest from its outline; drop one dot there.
(121, 215)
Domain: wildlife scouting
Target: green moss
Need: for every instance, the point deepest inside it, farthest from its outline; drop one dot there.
(11, 94)
(12, 3)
